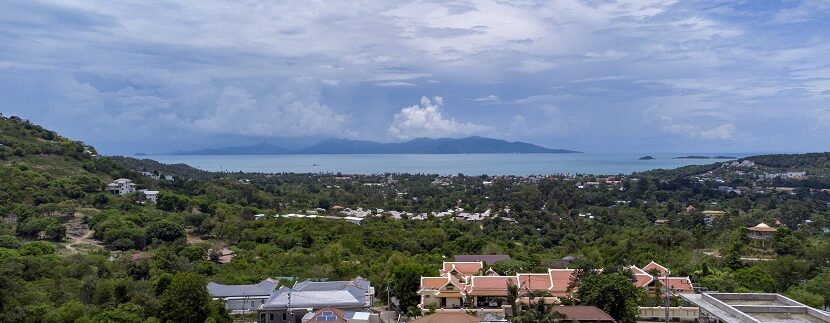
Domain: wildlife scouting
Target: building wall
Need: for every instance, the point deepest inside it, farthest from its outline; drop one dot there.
(251, 304)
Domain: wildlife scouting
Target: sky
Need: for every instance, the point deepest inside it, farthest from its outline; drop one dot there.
(594, 75)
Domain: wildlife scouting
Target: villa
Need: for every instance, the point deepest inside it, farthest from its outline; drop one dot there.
(121, 186)
(460, 282)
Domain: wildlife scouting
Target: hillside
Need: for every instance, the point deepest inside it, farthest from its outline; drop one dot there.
(72, 252)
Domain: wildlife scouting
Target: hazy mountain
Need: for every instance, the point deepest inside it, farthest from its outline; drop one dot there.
(259, 149)
(469, 145)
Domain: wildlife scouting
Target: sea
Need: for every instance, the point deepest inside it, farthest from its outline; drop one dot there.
(444, 164)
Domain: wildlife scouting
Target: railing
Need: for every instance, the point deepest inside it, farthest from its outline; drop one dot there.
(659, 313)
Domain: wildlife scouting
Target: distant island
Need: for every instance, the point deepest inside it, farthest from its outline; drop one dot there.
(647, 158)
(468, 145)
(704, 157)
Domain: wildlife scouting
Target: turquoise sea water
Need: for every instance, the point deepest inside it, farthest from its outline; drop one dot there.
(468, 164)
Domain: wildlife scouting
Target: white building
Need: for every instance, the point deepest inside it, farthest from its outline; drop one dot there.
(152, 196)
(121, 186)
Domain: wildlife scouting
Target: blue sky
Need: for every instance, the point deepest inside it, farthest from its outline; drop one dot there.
(619, 76)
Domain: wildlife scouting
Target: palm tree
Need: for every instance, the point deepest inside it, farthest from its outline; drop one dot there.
(512, 296)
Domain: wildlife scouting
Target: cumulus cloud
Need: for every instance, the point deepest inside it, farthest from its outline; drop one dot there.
(427, 120)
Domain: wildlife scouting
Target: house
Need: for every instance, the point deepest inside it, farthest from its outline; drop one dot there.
(291, 304)
(242, 298)
(121, 186)
(331, 314)
(486, 259)
(151, 196)
(584, 314)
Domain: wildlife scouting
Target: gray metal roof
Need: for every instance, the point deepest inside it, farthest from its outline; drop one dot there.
(263, 288)
(312, 299)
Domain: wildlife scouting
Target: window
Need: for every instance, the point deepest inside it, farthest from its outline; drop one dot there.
(271, 317)
(284, 316)
(262, 318)
(252, 303)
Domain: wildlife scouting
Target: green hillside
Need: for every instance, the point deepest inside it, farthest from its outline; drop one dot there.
(71, 252)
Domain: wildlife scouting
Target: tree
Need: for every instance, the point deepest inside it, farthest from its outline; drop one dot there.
(171, 202)
(820, 285)
(612, 292)
(405, 281)
(785, 242)
(185, 300)
(509, 267)
(755, 278)
(37, 248)
(539, 313)
(805, 297)
(10, 242)
(164, 231)
(512, 296)
(787, 271)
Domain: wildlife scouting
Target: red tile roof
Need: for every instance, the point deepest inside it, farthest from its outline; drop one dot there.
(433, 282)
(465, 268)
(680, 284)
(561, 279)
(534, 281)
(642, 280)
(583, 314)
(489, 285)
(653, 265)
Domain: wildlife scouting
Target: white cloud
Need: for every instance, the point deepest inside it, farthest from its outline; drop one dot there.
(238, 112)
(535, 65)
(724, 131)
(426, 120)
(491, 98)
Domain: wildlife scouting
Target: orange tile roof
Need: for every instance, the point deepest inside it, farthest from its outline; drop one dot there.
(433, 282)
(561, 279)
(466, 268)
(534, 281)
(680, 284)
(636, 270)
(653, 265)
(489, 285)
(642, 280)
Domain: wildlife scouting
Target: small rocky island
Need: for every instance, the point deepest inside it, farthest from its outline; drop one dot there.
(647, 158)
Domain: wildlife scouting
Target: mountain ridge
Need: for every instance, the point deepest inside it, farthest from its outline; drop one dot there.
(467, 145)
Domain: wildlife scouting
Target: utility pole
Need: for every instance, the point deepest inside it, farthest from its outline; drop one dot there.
(290, 312)
(388, 300)
(668, 294)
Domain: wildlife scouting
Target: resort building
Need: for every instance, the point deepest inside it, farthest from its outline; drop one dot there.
(460, 282)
